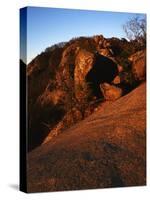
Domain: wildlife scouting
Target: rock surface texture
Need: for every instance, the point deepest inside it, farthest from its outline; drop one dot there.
(110, 92)
(139, 65)
(107, 149)
(66, 81)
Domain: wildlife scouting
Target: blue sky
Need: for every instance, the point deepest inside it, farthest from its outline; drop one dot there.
(48, 26)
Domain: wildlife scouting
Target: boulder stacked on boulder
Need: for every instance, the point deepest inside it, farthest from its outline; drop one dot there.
(110, 92)
(71, 76)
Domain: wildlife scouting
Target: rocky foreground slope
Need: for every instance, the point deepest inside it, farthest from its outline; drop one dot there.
(107, 149)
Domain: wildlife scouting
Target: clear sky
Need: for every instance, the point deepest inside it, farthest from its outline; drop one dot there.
(48, 26)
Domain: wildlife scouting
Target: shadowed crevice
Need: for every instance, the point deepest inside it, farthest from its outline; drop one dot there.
(103, 70)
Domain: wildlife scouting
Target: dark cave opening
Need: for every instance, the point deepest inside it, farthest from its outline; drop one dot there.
(103, 70)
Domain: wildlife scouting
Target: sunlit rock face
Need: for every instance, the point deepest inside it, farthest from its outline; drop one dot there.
(64, 81)
(107, 149)
(139, 65)
(83, 64)
(110, 92)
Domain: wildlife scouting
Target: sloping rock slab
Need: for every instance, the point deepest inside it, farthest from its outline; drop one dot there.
(105, 150)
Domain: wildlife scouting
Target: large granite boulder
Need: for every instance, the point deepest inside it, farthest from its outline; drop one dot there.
(110, 92)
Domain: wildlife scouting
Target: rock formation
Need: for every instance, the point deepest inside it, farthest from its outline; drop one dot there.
(87, 115)
(110, 92)
(67, 77)
(107, 149)
(139, 65)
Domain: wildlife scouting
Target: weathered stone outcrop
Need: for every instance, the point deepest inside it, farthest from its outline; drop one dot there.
(101, 42)
(106, 52)
(69, 76)
(83, 64)
(139, 65)
(110, 92)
